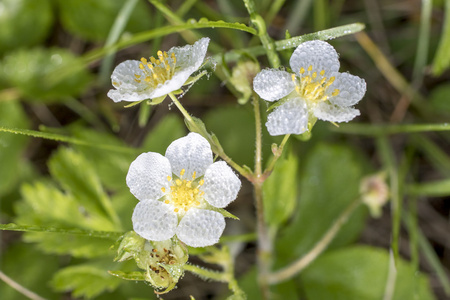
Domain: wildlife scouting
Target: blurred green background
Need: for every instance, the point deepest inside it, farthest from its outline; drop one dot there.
(55, 68)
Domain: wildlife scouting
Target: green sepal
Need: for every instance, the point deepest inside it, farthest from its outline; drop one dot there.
(193, 79)
(222, 211)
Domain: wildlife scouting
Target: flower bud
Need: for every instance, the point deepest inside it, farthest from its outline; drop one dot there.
(375, 193)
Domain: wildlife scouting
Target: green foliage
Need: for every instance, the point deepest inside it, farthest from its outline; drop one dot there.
(165, 132)
(235, 137)
(24, 23)
(439, 98)
(78, 177)
(442, 59)
(28, 267)
(280, 191)
(329, 183)
(11, 146)
(93, 19)
(86, 280)
(360, 273)
(35, 73)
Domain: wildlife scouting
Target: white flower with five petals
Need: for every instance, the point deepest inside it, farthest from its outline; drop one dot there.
(316, 90)
(148, 79)
(180, 192)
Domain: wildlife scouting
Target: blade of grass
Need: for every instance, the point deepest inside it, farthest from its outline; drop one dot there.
(438, 158)
(388, 159)
(320, 14)
(185, 7)
(116, 30)
(297, 16)
(441, 60)
(111, 235)
(422, 43)
(434, 262)
(378, 130)
(438, 188)
(65, 139)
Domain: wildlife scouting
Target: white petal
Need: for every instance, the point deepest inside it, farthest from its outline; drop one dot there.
(272, 84)
(154, 220)
(221, 184)
(190, 57)
(201, 227)
(192, 153)
(318, 54)
(127, 89)
(333, 113)
(290, 117)
(147, 175)
(351, 89)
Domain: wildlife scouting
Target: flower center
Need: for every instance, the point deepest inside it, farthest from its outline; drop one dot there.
(313, 86)
(157, 71)
(184, 194)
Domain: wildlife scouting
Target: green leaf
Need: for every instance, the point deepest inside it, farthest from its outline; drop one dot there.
(329, 183)
(442, 59)
(29, 268)
(439, 98)
(36, 83)
(111, 167)
(78, 177)
(94, 18)
(280, 191)
(85, 280)
(11, 146)
(360, 273)
(24, 23)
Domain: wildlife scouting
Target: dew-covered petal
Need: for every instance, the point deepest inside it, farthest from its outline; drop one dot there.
(351, 89)
(192, 153)
(127, 88)
(221, 184)
(290, 117)
(318, 54)
(190, 57)
(147, 175)
(200, 227)
(333, 113)
(272, 84)
(154, 220)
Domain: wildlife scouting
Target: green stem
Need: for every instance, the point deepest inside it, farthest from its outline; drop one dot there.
(300, 264)
(15, 285)
(194, 125)
(206, 274)
(266, 41)
(264, 243)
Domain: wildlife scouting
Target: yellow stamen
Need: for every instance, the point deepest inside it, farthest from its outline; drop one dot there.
(310, 68)
(201, 182)
(194, 175)
(182, 172)
(163, 189)
(166, 201)
(302, 70)
(335, 93)
(169, 178)
(178, 182)
(322, 72)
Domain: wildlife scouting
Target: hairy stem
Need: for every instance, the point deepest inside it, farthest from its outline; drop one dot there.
(264, 243)
(197, 126)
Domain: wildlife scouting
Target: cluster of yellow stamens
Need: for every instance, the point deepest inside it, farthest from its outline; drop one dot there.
(184, 193)
(157, 71)
(313, 87)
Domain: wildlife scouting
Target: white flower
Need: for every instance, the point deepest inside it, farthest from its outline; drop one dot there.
(179, 192)
(139, 80)
(315, 90)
